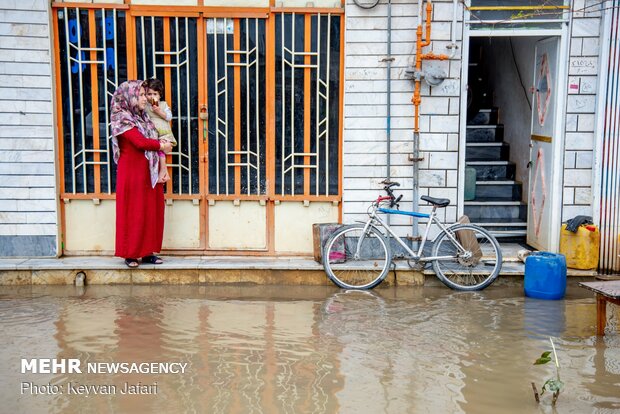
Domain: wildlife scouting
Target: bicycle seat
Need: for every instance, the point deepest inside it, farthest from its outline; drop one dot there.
(439, 202)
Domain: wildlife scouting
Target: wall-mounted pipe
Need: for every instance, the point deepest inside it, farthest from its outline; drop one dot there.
(417, 100)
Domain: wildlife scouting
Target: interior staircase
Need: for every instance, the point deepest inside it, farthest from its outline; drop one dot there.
(497, 205)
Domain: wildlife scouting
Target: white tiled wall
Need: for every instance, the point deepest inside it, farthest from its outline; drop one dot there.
(583, 66)
(365, 120)
(28, 219)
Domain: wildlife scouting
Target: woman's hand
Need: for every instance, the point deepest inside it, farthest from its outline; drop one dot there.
(165, 146)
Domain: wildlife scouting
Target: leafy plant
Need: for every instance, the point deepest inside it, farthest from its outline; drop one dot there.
(554, 385)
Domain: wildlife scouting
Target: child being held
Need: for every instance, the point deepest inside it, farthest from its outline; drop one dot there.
(160, 114)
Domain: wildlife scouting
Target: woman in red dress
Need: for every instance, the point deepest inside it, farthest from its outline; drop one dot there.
(139, 199)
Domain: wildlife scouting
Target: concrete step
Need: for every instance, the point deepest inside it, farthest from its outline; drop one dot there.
(505, 228)
(485, 117)
(493, 170)
(485, 133)
(507, 190)
(480, 211)
(487, 151)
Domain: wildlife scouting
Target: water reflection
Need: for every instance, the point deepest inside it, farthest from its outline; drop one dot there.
(307, 349)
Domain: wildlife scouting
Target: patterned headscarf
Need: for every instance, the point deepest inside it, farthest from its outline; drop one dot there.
(125, 115)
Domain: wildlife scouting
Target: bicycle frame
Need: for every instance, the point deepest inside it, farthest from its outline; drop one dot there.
(374, 218)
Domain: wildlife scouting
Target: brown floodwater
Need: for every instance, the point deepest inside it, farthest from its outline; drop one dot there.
(249, 349)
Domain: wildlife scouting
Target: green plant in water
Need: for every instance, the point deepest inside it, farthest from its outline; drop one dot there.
(554, 385)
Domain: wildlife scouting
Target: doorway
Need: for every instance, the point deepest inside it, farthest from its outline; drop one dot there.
(512, 137)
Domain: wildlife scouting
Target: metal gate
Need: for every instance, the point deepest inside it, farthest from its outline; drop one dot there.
(256, 97)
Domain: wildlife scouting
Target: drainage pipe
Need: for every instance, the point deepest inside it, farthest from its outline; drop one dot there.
(417, 100)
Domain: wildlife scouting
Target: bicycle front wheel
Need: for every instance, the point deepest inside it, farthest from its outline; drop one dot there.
(469, 257)
(354, 259)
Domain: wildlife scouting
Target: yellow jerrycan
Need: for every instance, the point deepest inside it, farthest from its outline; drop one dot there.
(581, 248)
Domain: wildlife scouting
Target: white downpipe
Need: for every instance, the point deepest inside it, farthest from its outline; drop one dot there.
(453, 46)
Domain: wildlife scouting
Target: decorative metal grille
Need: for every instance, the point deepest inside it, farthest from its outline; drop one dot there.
(236, 100)
(307, 103)
(92, 56)
(166, 49)
(93, 62)
(510, 14)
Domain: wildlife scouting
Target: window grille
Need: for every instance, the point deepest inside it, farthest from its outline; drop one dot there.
(516, 14)
(296, 55)
(307, 96)
(166, 49)
(92, 58)
(236, 106)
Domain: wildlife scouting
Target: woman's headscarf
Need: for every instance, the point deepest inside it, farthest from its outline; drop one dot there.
(125, 115)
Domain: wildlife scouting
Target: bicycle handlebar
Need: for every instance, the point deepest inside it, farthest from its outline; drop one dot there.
(388, 189)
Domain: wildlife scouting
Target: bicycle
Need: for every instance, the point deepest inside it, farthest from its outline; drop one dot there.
(358, 256)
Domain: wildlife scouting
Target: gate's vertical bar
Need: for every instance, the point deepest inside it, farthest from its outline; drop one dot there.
(203, 171)
(307, 76)
(317, 104)
(225, 53)
(283, 96)
(81, 90)
(259, 161)
(94, 94)
(293, 59)
(328, 52)
(105, 90)
(188, 107)
(178, 93)
(58, 96)
(216, 97)
(247, 104)
(131, 42)
(59, 124)
(142, 32)
(237, 103)
(153, 49)
(70, 90)
(166, 22)
(270, 34)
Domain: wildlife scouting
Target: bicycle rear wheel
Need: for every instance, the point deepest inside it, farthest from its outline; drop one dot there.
(474, 266)
(354, 259)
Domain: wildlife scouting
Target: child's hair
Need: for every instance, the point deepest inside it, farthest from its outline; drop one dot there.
(156, 85)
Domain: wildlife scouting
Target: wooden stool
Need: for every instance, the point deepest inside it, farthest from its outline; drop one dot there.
(607, 291)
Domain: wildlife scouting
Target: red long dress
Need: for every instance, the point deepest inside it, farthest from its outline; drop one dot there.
(139, 206)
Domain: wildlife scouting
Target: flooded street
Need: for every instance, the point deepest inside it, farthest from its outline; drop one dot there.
(267, 349)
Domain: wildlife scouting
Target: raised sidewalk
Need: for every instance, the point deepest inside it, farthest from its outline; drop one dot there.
(213, 270)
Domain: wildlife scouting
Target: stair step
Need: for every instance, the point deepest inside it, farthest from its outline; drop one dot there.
(493, 170)
(497, 182)
(501, 234)
(504, 228)
(485, 133)
(480, 212)
(485, 144)
(504, 224)
(491, 151)
(508, 190)
(493, 201)
(484, 117)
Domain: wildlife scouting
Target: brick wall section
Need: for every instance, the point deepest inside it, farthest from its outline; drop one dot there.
(365, 110)
(28, 219)
(580, 109)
